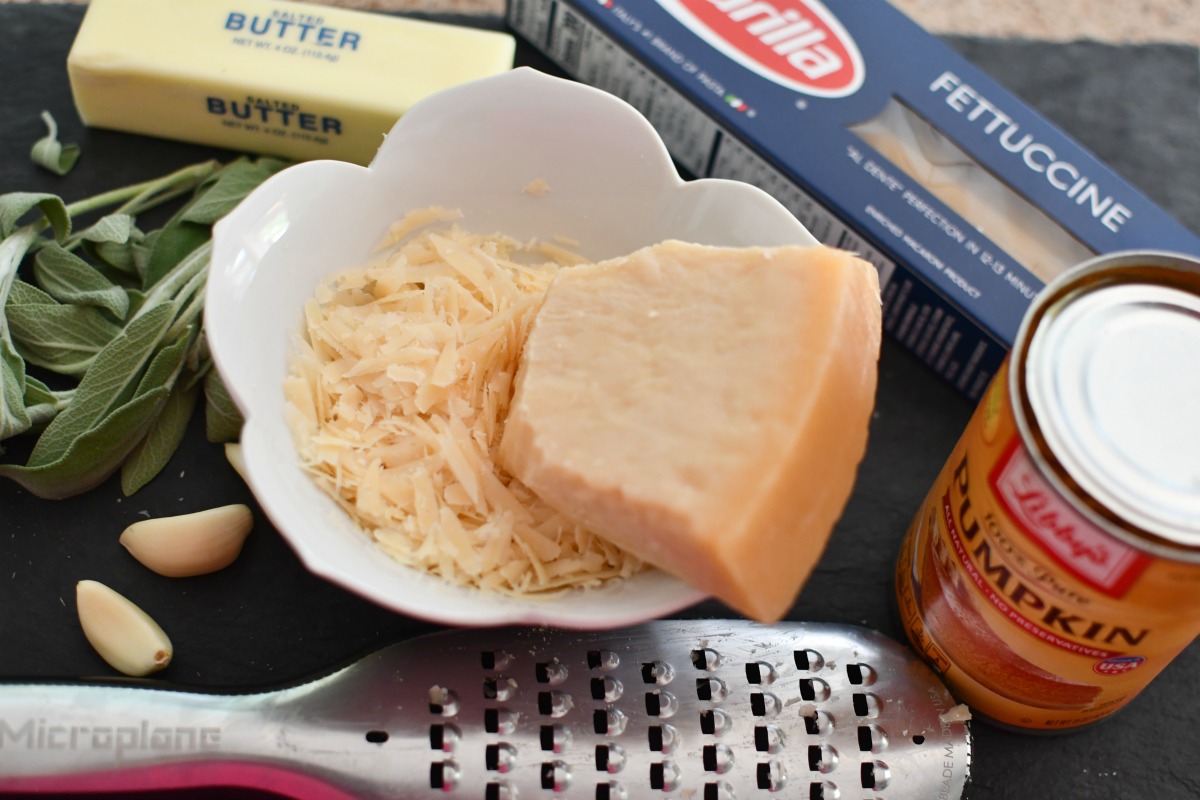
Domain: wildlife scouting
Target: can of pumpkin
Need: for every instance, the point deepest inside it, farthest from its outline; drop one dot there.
(1054, 568)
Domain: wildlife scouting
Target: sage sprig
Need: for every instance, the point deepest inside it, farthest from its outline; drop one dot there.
(114, 313)
(52, 154)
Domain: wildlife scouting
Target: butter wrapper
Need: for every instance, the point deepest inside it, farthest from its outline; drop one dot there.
(289, 79)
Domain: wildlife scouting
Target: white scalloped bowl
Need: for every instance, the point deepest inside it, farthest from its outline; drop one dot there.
(475, 147)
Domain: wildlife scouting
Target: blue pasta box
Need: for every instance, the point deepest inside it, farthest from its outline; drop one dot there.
(880, 138)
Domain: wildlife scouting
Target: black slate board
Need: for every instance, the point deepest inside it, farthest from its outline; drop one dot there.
(266, 620)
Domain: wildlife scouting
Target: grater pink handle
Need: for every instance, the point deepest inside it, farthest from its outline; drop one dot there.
(169, 777)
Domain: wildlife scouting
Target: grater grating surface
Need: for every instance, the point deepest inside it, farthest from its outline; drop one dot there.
(703, 710)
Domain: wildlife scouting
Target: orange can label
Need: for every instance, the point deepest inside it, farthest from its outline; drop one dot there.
(1036, 617)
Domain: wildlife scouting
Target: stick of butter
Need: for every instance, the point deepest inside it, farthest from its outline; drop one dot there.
(283, 78)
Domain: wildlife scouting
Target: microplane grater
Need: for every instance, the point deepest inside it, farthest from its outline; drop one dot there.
(701, 709)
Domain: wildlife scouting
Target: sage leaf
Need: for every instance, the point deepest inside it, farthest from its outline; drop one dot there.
(153, 453)
(14, 206)
(98, 451)
(164, 435)
(14, 419)
(121, 261)
(222, 420)
(108, 383)
(113, 244)
(43, 403)
(142, 264)
(94, 455)
(111, 228)
(51, 335)
(52, 154)
(69, 279)
(229, 187)
(167, 363)
(21, 293)
(174, 242)
(178, 286)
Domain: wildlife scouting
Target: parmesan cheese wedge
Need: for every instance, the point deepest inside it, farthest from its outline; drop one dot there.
(703, 408)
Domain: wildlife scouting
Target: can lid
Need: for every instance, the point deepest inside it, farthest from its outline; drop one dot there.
(1114, 380)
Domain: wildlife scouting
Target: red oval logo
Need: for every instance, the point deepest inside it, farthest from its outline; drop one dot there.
(1117, 665)
(798, 44)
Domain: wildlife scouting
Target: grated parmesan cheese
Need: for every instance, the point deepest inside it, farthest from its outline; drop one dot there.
(397, 394)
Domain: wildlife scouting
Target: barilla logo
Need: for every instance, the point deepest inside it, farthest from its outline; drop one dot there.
(797, 44)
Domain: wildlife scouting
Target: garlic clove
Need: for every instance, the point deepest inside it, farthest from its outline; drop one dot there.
(124, 635)
(190, 544)
(233, 454)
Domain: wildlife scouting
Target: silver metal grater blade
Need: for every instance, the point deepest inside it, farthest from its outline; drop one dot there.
(702, 710)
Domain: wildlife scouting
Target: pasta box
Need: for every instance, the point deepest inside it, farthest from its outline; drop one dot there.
(880, 138)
